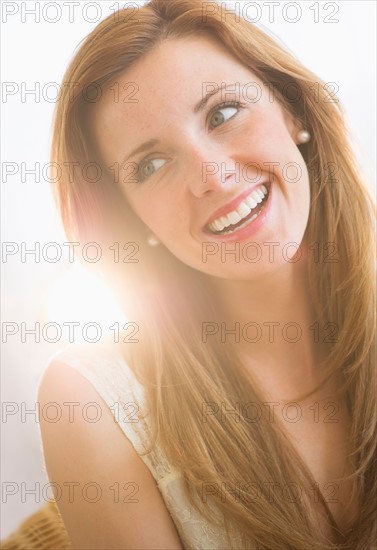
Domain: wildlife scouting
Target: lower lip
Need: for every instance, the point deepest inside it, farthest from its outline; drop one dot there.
(251, 228)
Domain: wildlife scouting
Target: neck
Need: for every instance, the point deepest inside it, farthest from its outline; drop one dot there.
(272, 324)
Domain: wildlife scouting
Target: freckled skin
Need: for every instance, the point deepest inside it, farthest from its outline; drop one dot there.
(176, 200)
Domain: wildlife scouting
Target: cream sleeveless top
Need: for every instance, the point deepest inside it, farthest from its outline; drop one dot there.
(105, 368)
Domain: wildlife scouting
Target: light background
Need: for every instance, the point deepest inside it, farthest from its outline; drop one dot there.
(32, 52)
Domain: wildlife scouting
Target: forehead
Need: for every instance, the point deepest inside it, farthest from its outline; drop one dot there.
(175, 73)
(194, 60)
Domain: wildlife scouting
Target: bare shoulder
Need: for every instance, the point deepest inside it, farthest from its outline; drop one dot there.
(105, 493)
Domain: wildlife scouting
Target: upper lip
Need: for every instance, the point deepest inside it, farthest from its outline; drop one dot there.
(234, 203)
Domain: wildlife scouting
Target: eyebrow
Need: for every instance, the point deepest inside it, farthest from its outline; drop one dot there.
(143, 147)
(203, 102)
(152, 142)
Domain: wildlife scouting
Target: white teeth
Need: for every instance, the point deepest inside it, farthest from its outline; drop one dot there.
(218, 225)
(243, 224)
(243, 210)
(224, 222)
(234, 217)
(251, 202)
(258, 197)
(253, 217)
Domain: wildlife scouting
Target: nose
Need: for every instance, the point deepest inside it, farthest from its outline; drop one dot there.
(209, 169)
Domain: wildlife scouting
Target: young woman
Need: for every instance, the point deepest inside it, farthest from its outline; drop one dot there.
(247, 397)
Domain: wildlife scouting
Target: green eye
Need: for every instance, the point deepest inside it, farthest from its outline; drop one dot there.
(147, 168)
(223, 114)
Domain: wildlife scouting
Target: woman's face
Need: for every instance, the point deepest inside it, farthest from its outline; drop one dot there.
(220, 182)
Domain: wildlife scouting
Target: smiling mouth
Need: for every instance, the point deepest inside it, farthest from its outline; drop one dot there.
(246, 212)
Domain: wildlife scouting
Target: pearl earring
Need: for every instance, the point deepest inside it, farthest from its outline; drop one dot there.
(152, 240)
(303, 136)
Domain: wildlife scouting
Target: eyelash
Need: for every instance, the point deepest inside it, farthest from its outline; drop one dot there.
(225, 104)
(217, 107)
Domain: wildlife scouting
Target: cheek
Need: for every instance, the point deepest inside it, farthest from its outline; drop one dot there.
(270, 143)
(161, 212)
(265, 140)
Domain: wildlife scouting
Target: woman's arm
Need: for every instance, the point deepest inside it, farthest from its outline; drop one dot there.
(78, 452)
